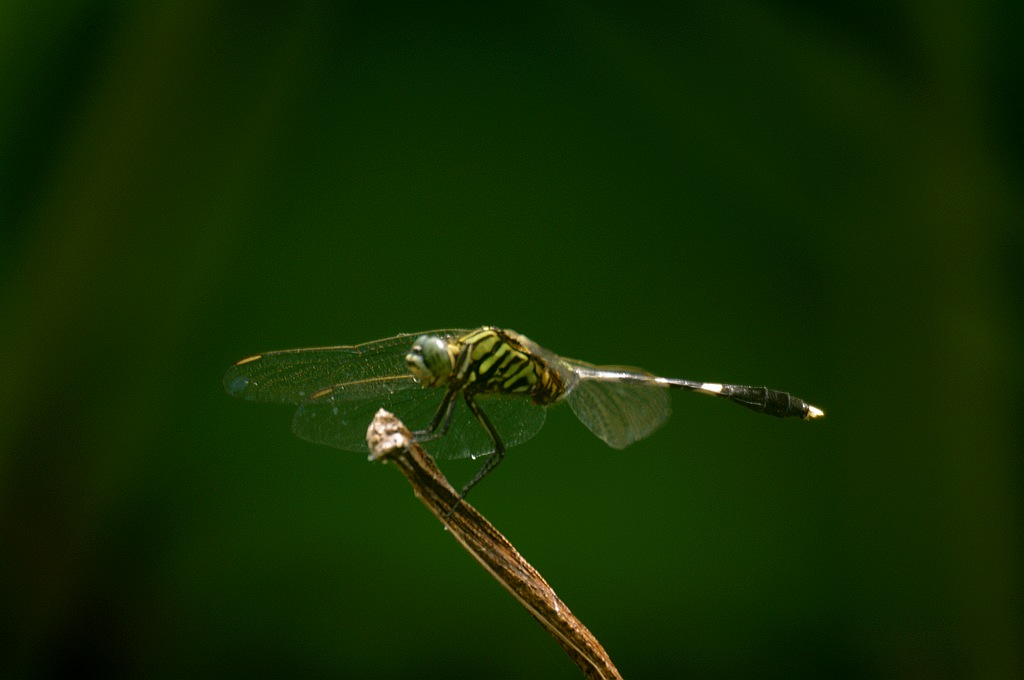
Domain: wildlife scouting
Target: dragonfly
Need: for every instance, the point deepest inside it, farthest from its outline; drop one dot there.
(472, 393)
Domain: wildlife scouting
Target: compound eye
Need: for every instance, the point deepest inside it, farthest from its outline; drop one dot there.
(429, 361)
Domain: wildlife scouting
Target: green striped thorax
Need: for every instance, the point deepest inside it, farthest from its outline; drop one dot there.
(431, 361)
(485, 361)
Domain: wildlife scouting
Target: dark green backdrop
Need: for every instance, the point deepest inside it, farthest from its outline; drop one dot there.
(821, 199)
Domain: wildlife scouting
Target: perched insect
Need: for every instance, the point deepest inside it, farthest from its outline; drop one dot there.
(505, 380)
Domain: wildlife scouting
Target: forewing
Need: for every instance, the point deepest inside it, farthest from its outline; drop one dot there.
(618, 409)
(293, 376)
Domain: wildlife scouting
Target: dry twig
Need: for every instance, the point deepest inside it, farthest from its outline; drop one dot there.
(389, 440)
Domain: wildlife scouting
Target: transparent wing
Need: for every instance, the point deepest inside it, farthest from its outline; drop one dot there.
(293, 376)
(619, 404)
(339, 389)
(336, 419)
(514, 416)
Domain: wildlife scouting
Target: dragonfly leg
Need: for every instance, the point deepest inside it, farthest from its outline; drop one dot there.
(492, 460)
(441, 422)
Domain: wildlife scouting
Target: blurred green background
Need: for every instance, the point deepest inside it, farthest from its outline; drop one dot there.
(823, 199)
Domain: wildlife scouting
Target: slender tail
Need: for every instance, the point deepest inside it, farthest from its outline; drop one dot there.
(761, 399)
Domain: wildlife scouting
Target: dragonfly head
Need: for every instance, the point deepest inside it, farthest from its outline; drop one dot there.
(430, 361)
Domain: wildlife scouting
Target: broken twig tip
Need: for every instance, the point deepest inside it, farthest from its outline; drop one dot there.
(386, 436)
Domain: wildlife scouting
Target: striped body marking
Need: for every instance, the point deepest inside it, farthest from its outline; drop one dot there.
(495, 361)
